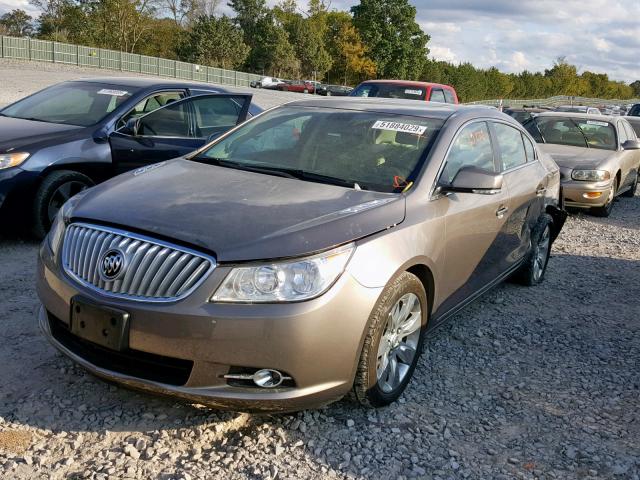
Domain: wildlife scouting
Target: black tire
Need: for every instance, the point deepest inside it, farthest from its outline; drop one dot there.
(55, 189)
(607, 208)
(366, 387)
(632, 191)
(532, 271)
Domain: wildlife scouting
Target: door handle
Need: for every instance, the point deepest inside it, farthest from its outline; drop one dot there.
(501, 211)
(541, 190)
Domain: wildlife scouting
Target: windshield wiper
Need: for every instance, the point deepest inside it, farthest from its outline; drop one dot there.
(221, 162)
(586, 140)
(282, 172)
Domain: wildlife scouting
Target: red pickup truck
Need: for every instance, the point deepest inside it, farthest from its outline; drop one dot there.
(432, 92)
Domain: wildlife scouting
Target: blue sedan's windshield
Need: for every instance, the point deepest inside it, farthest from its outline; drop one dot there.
(72, 103)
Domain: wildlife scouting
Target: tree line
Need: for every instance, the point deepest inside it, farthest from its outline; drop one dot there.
(374, 39)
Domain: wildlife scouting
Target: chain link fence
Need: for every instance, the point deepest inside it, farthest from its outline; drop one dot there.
(56, 52)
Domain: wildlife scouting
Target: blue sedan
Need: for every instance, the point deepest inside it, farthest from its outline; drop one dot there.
(67, 137)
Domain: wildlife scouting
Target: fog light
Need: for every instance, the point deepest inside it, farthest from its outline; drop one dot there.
(267, 378)
(592, 194)
(263, 378)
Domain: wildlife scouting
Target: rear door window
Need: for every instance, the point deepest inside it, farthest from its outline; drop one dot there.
(510, 143)
(215, 115)
(529, 149)
(448, 95)
(437, 95)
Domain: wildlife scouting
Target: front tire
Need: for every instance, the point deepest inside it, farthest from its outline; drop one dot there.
(632, 191)
(393, 343)
(607, 208)
(535, 266)
(54, 191)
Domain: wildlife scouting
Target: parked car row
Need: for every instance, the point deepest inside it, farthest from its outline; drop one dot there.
(301, 86)
(351, 226)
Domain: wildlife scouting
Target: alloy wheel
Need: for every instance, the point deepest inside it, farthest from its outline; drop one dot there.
(541, 254)
(399, 342)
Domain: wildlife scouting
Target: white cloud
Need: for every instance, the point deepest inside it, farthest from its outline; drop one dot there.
(596, 35)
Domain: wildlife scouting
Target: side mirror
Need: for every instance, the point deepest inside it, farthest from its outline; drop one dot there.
(474, 180)
(131, 127)
(631, 145)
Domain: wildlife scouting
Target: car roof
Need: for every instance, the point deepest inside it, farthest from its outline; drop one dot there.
(399, 107)
(144, 82)
(583, 116)
(409, 83)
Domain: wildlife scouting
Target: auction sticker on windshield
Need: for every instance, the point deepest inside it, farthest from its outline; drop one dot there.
(115, 93)
(596, 122)
(413, 92)
(399, 127)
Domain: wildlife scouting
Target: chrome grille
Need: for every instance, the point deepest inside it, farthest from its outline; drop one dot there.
(153, 270)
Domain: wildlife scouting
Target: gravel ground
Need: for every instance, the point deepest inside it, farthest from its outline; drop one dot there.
(526, 383)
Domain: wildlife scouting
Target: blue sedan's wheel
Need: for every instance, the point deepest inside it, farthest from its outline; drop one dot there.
(54, 191)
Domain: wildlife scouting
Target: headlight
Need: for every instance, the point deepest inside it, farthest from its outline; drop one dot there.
(590, 175)
(286, 281)
(12, 159)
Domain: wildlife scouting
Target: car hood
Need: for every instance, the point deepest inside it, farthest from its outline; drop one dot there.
(238, 215)
(17, 133)
(577, 157)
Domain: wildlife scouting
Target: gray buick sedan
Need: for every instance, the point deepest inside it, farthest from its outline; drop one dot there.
(301, 256)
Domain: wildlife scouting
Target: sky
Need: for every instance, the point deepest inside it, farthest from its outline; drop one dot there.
(597, 35)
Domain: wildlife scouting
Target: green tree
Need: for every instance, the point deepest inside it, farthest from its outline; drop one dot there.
(395, 41)
(17, 23)
(635, 87)
(214, 41)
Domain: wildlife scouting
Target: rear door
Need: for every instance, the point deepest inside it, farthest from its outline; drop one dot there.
(475, 223)
(177, 129)
(526, 179)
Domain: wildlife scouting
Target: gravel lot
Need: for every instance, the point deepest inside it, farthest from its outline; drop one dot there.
(526, 383)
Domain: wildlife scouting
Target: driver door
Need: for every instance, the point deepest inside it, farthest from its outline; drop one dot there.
(176, 129)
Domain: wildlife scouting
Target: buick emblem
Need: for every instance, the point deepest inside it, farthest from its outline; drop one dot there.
(112, 265)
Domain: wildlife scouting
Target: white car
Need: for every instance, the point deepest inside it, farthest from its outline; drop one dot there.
(267, 82)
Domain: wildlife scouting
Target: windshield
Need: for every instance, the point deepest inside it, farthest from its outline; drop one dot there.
(362, 150)
(576, 132)
(389, 90)
(73, 103)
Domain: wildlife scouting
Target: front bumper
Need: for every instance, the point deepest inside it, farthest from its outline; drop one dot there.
(15, 182)
(585, 194)
(317, 342)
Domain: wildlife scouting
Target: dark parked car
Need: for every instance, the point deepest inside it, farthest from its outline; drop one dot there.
(72, 135)
(300, 257)
(334, 90)
(634, 111)
(523, 114)
(635, 123)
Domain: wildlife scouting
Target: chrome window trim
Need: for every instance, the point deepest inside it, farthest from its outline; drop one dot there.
(144, 238)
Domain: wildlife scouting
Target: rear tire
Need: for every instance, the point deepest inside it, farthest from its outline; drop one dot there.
(535, 266)
(393, 343)
(54, 191)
